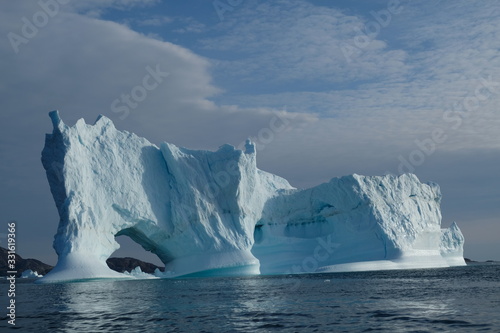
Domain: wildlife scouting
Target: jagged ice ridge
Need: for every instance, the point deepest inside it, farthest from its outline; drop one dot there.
(209, 213)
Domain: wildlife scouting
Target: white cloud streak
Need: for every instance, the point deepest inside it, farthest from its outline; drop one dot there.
(285, 41)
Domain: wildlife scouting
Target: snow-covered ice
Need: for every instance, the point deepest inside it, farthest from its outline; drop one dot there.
(29, 274)
(139, 274)
(216, 213)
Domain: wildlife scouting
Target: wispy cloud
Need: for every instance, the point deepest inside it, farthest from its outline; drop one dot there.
(157, 21)
(190, 25)
(298, 42)
(83, 6)
(429, 64)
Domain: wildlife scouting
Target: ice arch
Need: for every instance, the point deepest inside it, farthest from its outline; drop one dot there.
(198, 210)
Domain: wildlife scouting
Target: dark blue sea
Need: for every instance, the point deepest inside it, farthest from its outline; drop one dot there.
(461, 299)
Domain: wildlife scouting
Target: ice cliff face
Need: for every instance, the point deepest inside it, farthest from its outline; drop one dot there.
(452, 245)
(216, 213)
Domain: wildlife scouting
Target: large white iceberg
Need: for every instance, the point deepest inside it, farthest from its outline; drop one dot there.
(215, 213)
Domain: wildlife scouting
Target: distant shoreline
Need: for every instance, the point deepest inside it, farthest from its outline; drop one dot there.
(474, 262)
(119, 265)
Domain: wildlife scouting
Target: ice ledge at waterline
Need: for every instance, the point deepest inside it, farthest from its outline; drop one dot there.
(215, 213)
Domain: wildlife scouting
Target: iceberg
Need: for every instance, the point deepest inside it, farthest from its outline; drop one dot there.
(207, 213)
(139, 274)
(29, 274)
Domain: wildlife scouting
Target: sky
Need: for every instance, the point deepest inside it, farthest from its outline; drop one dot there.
(324, 88)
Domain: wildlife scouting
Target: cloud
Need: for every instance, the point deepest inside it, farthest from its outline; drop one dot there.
(155, 21)
(82, 6)
(188, 24)
(83, 77)
(296, 41)
(447, 76)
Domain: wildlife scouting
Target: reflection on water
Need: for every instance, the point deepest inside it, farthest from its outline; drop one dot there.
(459, 299)
(93, 305)
(265, 303)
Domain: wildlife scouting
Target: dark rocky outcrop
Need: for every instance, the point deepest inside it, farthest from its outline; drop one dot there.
(117, 264)
(22, 264)
(127, 264)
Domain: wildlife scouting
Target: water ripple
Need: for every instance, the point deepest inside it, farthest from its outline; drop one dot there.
(459, 299)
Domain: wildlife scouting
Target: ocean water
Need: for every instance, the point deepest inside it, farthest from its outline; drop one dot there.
(460, 299)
